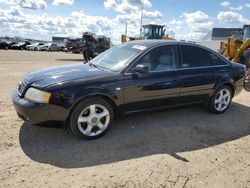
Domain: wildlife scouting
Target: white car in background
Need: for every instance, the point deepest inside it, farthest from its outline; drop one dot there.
(34, 47)
(51, 47)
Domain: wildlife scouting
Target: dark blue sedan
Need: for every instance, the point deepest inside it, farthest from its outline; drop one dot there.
(132, 77)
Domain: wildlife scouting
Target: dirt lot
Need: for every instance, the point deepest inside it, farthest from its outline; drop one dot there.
(176, 148)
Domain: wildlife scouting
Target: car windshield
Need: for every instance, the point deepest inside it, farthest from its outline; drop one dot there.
(118, 57)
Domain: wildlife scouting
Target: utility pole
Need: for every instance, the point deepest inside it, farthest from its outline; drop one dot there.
(126, 29)
(142, 7)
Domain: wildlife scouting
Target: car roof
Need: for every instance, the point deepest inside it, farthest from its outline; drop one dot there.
(155, 42)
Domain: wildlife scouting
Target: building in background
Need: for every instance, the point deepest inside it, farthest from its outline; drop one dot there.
(215, 36)
(223, 33)
(59, 40)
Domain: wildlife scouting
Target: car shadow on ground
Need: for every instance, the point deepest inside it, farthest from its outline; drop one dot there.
(167, 132)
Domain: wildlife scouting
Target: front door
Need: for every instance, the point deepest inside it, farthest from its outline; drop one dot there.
(157, 88)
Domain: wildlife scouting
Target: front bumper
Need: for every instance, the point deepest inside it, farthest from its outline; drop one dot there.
(35, 113)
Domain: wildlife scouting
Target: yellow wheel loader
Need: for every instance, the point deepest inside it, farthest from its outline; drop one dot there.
(237, 47)
(236, 39)
(150, 31)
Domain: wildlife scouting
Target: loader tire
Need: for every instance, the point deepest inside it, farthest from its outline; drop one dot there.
(246, 56)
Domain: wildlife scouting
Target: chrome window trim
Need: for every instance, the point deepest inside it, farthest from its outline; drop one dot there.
(215, 66)
(135, 60)
(227, 64)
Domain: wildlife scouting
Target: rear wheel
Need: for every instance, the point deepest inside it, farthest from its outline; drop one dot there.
(221, 100)
(91, 118)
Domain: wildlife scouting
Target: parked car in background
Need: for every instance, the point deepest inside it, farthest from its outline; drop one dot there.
(51, 47)
(132, 77)
(11, 43)
(4, 45)
(44, 47)
(75, 45)
(34, 47)
(20, 45)
(61, 47)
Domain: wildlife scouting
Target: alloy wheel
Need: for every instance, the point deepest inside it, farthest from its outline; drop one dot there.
(222, 100)
(93, 120)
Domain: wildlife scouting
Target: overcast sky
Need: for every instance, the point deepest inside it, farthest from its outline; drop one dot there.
(185, 19)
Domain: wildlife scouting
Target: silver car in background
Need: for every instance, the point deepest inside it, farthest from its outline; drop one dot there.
(35, 46)
(51, 47)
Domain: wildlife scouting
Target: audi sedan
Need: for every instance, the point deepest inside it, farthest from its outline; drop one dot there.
(132, 77)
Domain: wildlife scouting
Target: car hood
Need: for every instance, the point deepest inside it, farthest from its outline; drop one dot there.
(61, 74)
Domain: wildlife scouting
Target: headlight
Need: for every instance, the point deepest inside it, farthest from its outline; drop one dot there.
(37, 95)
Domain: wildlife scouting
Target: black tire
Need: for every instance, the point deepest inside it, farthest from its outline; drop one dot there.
(76, 112)
(86, 56)
(212, 107)
(246, 55)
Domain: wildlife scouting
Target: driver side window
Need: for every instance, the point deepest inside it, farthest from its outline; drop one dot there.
(162, 58)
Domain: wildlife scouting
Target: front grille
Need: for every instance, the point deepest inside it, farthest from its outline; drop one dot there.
(21, 88)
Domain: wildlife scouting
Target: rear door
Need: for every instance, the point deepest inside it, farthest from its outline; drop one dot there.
(198, 75)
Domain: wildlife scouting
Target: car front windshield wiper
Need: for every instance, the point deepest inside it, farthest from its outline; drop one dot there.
(100, 67)
(93, 65)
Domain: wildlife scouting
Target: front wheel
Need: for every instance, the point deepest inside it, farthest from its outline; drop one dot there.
(221, 100)
(91, 118)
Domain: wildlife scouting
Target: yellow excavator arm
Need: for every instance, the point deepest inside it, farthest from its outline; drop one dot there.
(240, 51)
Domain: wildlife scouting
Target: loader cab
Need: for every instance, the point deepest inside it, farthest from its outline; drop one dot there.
(153, 31)
(237, 35)
(246, 30)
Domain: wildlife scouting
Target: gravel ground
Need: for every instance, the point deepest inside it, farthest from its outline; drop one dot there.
(185, 147)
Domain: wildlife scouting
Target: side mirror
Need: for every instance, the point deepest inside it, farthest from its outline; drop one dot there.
(141, 69)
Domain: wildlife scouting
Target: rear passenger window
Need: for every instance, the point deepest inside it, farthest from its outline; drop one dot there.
(217, 60)
(195, 57)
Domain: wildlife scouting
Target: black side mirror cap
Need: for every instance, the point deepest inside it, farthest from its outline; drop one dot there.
(141, 69)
